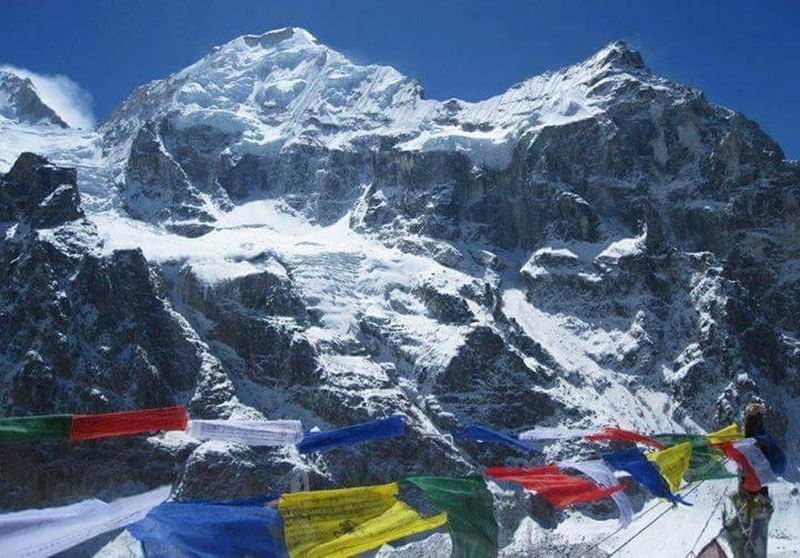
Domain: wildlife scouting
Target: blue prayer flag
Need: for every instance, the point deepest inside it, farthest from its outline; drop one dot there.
(773, 453)
(643, 471)
(483, 434)
(365, 432)
(207, 529)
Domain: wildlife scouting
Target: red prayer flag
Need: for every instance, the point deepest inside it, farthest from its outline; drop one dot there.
(87, 427)
(613, 433)
(750, 482)
(550, 483)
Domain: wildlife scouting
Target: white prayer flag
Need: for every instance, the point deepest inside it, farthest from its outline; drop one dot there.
(248, 432)
(599, 472)
(45, 532)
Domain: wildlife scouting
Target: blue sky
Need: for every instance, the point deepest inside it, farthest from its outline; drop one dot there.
(743, 54)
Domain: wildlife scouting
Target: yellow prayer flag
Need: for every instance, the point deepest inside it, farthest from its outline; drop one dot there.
(673, 463)
(315, 518)
(397, 522)
(727, 434)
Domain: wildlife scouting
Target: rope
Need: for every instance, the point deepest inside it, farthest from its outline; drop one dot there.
(659, 516)
(620, 528)
(708, 520)
(692, 489)
(639, 532)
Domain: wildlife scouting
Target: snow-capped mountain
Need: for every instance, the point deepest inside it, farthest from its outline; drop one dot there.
(21, 103)
(278, 232)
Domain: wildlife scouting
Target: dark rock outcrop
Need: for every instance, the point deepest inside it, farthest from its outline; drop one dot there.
(38, 193)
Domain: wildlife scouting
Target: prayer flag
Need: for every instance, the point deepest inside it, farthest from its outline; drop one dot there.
(756, 466)
(727, 434)
(599, 472)
(248, 432)
(705, 463)
(554, 433)
(357, 434)
(611, 433)
(483, 434)
(773, 453)
(88, 427)
(636, 464)
(397, 522)
(470, 512)
(46, 532)
(554, 486)
(673, 463)
(17, 429)
(314, 518)
(207, 529)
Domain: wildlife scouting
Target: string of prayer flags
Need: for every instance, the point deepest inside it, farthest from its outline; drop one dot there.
(673, 463)
(608, 434)
(705, 463)
(212, 528)
(89, 427)
(380, 429)
(18, 429)
(248, 432)
(470, 512)
(757, 469)
(550, 483)
(483, 434)
(329, 522)
(637, 465)
(45, 532)
(599, 472)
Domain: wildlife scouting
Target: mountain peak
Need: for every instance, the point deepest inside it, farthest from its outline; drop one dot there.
(270, 39)
(21, 102)
(618, 54)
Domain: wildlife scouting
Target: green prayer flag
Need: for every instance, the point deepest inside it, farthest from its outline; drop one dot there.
(706, 462)
(17, 429)
(470, 512)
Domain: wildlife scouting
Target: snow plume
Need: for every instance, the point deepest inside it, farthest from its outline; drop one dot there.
(68, 99)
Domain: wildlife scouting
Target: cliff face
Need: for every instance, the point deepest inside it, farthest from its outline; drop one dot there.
(277, 232)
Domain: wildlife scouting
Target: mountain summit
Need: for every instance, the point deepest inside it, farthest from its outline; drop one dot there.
(20, 102)
(620, 55)
(260, 97)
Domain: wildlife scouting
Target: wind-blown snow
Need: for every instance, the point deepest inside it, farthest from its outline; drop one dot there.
(68, 99)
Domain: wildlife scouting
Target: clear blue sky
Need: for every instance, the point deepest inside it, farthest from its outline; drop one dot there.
(743, 54)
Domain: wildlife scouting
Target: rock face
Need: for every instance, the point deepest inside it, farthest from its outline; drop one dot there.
(38, 193)
(81, 332)
(297, 236)
(20, 102)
